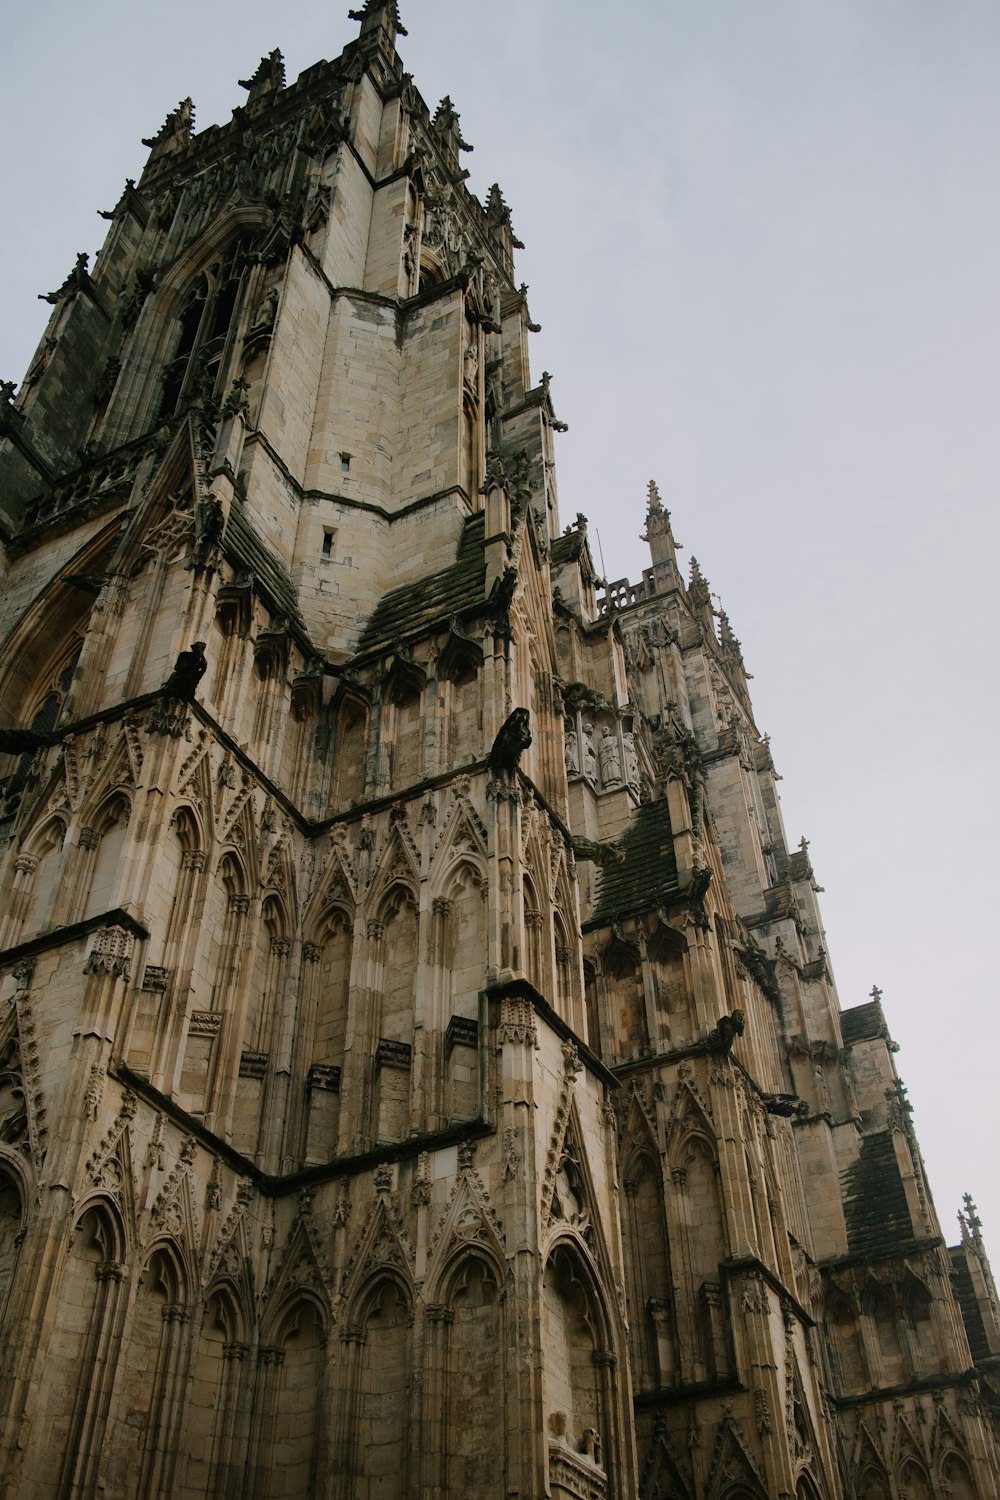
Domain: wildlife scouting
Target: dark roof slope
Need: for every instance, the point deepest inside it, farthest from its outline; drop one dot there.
(243, 544)
(407, 609)
(647, 875)
(566, 548)
(875, 1210)
(862, 1023)
(965, 1294)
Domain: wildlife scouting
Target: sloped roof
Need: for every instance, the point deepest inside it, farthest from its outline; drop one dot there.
(242, 543)
(862, 1023)
(875, 1209)
(566, 548)
(647, 875)
(407, 609)
(965, 1293)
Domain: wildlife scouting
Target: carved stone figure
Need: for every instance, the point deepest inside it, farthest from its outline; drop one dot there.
(589, 754)
(631, 759)
(266, 311)
(189, 668)
(510, 744)
(611, 760)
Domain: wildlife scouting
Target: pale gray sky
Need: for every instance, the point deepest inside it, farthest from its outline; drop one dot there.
(763, 238)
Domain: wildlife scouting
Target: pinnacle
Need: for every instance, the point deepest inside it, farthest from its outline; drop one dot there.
(446, 120)
(379, 13)
(270, 73)
(496, 205)
(178, 124)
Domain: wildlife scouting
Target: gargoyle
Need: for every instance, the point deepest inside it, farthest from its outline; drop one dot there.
(189, 669)
(722, 1037)
(786, 1106)
(25, 741)
(600, 854)
(90, 583)
(510, 744)
(502, 593)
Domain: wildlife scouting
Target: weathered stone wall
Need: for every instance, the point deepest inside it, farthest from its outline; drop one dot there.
(389, 1105)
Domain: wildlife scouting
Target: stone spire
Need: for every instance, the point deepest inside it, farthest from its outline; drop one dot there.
(659, 534)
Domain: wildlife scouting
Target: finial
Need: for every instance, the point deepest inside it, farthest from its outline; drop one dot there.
(376, 13)
(655, 505)
(804, 844)
(696, 575)
(973, 1220)
(876, 994)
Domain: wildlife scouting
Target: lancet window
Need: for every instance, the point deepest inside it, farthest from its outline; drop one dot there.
(204, 330)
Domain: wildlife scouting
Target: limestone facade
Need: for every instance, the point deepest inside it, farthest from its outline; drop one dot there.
(391, 1107)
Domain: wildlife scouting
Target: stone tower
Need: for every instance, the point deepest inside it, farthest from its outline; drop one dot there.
(422, 1073)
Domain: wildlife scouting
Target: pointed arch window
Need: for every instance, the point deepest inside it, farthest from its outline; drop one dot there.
(11, 1222)
(205, 329)
(43, 720)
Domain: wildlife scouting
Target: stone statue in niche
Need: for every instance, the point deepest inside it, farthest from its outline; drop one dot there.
(589, 754)
(631, 759)
(267, 308)
(611, 758)
(572, 754)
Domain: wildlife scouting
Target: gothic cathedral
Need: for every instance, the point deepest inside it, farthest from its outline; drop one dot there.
(421, 1073)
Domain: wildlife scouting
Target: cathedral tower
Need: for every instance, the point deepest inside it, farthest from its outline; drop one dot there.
(423, 1073)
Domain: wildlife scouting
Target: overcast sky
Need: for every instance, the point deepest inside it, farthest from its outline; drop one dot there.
(763, 240)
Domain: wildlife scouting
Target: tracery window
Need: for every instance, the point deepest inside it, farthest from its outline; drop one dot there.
(42, 721)
(205, 329)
